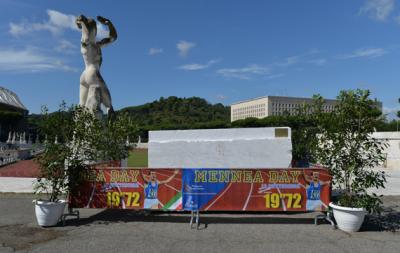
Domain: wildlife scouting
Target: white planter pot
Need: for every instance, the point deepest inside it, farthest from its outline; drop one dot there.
(347, 218)
(48, 213)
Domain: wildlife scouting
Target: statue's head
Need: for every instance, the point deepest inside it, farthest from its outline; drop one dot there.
(88, 27)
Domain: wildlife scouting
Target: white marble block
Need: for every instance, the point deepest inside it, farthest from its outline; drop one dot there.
(221, 148)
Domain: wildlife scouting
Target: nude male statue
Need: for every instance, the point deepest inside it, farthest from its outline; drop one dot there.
(93, 89)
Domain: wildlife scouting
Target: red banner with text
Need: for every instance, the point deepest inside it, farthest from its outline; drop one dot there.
(205, 189)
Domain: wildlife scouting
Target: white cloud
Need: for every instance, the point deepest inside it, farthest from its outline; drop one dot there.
(29, 60)
(274, 76)
(56, 24)
(61, 20)
(155, 50)
(397, 19)
(184, 47)
(245, 73)
(288, 61)
(197, 66)
(378, 9)
(65, 46)
(365, 53)
(318, 62)
(296, 59)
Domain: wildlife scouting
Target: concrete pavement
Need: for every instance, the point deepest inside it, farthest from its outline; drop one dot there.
(392, 185)
(130, 231)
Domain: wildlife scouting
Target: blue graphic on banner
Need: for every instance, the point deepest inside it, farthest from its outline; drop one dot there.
(196, 192)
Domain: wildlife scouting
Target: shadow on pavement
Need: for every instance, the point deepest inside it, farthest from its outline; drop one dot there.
(22, 237)
(388, 220)
(117, 215)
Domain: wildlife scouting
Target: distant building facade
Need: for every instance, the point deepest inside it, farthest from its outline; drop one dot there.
(13, 114)
(272, 106)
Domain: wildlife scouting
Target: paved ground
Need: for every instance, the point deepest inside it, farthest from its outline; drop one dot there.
(129, 231)
(392, 186)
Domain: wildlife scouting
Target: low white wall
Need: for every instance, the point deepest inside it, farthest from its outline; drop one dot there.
(17, 184)
(393, 150)
(221, 148)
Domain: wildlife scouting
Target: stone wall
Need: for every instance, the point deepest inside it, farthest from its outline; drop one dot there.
(221, 148)
(393, 150)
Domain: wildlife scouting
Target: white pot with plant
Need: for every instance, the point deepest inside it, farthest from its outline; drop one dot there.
(78, 139)
(52, 181)
(346, 147)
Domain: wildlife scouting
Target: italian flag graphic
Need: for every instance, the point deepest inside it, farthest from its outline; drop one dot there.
(175, 203)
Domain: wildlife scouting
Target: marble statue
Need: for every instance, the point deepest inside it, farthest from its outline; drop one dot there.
(13, 140)
(9, 138)
(23, 137)
(93, 89)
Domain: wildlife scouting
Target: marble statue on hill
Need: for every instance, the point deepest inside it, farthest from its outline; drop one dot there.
(93, 89)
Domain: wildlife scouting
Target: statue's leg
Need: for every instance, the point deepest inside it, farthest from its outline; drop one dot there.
(105, 95)
(83, 93)
(94, 98)
(106, 99)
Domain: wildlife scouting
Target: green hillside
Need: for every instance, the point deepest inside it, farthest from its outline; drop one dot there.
(178, 113)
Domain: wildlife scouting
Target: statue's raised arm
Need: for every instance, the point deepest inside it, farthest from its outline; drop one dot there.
(113, 32)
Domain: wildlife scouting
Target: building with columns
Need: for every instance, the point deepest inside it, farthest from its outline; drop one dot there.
(13, 114)
(273, 105)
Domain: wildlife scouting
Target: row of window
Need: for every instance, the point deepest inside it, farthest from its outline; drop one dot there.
(251, 107)
(279, 108)
(253, 115)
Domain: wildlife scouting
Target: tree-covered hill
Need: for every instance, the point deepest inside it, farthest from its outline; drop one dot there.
(174, 112)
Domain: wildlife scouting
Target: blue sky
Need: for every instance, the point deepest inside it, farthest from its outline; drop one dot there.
(223, 51)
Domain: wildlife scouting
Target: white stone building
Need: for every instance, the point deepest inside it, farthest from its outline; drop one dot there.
(273, 105)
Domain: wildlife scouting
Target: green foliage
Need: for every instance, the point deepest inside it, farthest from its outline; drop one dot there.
(58, 123)
(388, 126)
(9, 120)
(177, 113)
(138, 158)
(82, 140)
(346, 147)
(111, 137)
(10, 116)
(398, 112)
(52, 179)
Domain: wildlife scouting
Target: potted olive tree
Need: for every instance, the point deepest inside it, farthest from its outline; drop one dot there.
(345, 146)
(52, 181)
(75, 140)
